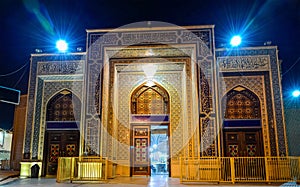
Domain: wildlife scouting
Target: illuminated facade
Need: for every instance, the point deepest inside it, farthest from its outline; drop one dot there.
(145, 97)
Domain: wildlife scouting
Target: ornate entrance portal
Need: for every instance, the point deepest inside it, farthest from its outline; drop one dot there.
(124, 90)
(242, 124)
(62, 133)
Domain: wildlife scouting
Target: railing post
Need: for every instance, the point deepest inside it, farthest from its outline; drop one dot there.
(219, 169)
(58, 170)
(267, 170)
(72, 169)
(232, 170)
(181, 170)
(106, 168)
(298, 176)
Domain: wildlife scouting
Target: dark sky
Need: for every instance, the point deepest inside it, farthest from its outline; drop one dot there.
(30, 24)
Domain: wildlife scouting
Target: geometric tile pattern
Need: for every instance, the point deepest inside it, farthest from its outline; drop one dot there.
(91, 136)
(61, 107)
(54, 153)
(241, 105)
(251, 150)
(37, 119)
(278, 103)
(150, 102)
(233, 150)
(71, 150)
(271, 123)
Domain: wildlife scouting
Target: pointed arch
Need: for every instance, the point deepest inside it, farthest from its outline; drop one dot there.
(63, 106)
(150, 99)
(241, 103)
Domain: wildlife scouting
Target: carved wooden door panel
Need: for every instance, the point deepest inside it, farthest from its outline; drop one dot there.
(243, 143)
(140, 153)
(60, 144)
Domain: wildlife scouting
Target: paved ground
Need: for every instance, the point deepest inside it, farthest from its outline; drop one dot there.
(9, 179)
(8, 176)
(8, 173)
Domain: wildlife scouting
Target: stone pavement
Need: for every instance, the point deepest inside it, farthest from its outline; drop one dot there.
(8, 176)
(155, 181)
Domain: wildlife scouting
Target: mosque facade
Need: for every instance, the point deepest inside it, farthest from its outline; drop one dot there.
(143, 98)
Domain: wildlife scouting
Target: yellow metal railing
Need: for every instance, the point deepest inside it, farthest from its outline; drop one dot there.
(65, 168)
(240, 169)
(82, 169)
(205, 169)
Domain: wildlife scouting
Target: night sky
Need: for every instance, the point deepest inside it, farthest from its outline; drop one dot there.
(30, 24)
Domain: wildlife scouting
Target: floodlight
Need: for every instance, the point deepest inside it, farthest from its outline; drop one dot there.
(38, 50)
(62, 45)
(235, 41)
(296, 93)
(79, 49)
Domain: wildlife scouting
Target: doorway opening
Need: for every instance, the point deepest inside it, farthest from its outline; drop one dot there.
(159, 150)
(150, 154)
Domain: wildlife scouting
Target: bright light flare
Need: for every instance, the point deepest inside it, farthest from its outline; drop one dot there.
(149, 70)
(235, 41)
(296, 93)
(62, 45)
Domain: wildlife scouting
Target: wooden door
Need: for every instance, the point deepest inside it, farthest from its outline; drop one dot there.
(246, 143)
(60, 144)
(140, 153)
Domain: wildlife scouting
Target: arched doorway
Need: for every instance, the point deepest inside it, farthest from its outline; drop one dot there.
(241, 123)
(62, 132)
(150, 130)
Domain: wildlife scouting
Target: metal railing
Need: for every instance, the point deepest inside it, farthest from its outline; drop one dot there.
(240, 169)
(82, 169)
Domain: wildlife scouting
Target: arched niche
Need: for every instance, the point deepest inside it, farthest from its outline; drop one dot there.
(63, 106)
(150, 99)
(241, 103)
